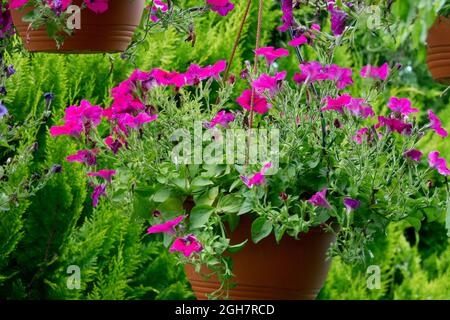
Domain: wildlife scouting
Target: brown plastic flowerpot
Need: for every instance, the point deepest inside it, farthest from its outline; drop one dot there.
(438, 50)
(291, 270)
(110, 31)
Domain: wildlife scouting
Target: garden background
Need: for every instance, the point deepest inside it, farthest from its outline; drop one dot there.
(57, 227)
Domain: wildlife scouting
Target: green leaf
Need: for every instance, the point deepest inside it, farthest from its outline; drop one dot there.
(246, 206)
(414, 222)
(201, 182)
(229, 204)
(208, 197)
(200, 215)
(162, 195)
(261, 228)
(279, 232)
(4, 202)
(237, 247)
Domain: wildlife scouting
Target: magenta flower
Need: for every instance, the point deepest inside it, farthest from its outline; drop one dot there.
(98, 6)
(105, 174)
(266, 82)
(394, 125)
(15, 4)
(436, 124)
(186, 245)
(288, 16)
(298, 41)
(319, 199)
(314, 71)
(440, 164)
(401, 106)
(337, 104)
(99, 191)
(260, 103)
(271, 54)
(59, 5)
(222, 7)
(70, 128)
(413, 154)
(360, 134)
(127, 120)
(114, 144)
(358, 108)
(351, 204)
(157, 6)
(257, 178)
(338, 19)
(166, 227)
(84, 156)
(222, 118)
(370, 71)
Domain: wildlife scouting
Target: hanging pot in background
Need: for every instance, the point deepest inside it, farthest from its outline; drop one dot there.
(110, 31)
(438, 50)
(290, 270)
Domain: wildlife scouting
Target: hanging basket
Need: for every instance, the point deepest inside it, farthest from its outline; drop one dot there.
(110, 31)
(290, 270)
(438, 50)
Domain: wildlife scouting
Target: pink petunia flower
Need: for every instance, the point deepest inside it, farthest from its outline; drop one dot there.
(288, 16)
(351, 204)
(394, 125)
(15, 4)
(440, 164)
(257, 178)
(298, 41)
(436, 124)
(271, 54)
(222, 7)
(261, 105)
(401, 106)
(370, 71)
(222, 118)
(84, 156)
(186, 245)
(99, 191)
(166, 227)
(71, 128)
(413, 154)
(336, 104)
(314, 71)
(105, 174)
(338, 19)
(319, 199)
(266, 82)
(98, 6)
(360, 134)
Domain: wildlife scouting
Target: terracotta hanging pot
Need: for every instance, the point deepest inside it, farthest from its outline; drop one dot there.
(291, 270)
(438, 50)
(110, 31)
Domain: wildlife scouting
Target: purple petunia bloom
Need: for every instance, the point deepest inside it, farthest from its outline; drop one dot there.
(258, 178)
(99, 191)
(319, 199)
(413, 154)
(222, 118)
(370, 71)
(440, 164)
(222, 7)
(436, 124)
(84, 156)
(166, 227)
(105, 174)
(351, 204)
(338, 19)
(288, 16)
(3, 110)
(186, 245)
(401, 106)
